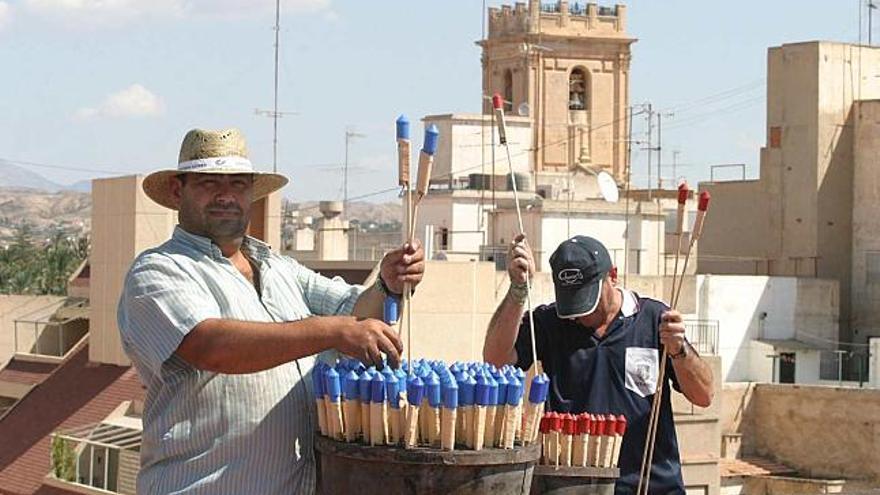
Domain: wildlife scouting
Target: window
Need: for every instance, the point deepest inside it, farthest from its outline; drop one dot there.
(577, 90)
(872, 267)
(508, 90)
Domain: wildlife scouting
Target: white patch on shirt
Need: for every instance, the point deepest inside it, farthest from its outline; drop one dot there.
(642, 368)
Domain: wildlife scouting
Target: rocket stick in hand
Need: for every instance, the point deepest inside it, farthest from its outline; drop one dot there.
(498, 104)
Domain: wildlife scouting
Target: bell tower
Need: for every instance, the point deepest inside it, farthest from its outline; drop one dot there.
(566, 66)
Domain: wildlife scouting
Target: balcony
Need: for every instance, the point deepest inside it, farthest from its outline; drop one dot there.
(96, 458)
(50, 339)
(703, 335)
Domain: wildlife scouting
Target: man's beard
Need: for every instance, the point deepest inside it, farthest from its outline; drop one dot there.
(225, 228)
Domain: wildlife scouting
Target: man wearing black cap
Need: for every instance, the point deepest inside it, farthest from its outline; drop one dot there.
(600, 344)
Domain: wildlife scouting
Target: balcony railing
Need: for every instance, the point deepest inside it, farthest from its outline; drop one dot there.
(98, 456)
(703, 335)
(49, 337)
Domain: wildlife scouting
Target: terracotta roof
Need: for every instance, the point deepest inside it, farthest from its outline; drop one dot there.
(76, 394)
(752, 466)
(29, 373)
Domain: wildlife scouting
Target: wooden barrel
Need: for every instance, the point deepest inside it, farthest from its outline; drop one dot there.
(358, 469)
(553, 480)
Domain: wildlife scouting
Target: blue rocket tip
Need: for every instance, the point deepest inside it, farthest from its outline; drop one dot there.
(392, 391)
(514, 392)
(334, 388)
(391, 309)
(483, 391)
(415, 390)
(502, 390)
(433, 389)
(468, 391)
(364, 386)
(537, 390)
(493, 391)
(318, 381)
(402, 127)
(350, 386)
(377, 388)
(432, 134)
(450, 395)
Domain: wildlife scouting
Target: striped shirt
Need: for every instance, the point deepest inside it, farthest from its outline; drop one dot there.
(208, 432)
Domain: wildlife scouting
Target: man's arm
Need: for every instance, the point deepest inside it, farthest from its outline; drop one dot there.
(694, 375)
(499, 347)
(231, 346)
(404, 264)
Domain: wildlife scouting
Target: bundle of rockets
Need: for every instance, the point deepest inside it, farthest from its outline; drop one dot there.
(582, 440)
(465, 405)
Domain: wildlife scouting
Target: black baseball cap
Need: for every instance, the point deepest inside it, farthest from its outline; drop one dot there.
(579, 268)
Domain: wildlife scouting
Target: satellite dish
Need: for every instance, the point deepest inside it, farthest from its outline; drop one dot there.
(523, 109)
(608, 187)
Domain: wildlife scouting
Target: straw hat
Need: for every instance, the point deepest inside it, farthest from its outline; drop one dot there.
(211, 152)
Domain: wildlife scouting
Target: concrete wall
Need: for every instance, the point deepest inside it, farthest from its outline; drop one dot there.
(866, 223)
(820, 431)
(759, 307)
(466, 146)
(125, 222)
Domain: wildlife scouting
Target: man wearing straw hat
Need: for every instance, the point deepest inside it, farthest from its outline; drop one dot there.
(222, 331)
(600, 344)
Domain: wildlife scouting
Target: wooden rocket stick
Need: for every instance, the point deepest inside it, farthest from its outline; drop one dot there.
(320, 404)
(479, 427)
(620, 430)
(378, 411)
(607, 444)
(448, 415)
(498, 105)
(415, 390)
(648, 453)
(434, 427)
(578, 447)
(364, 386)
(596, 426)
(334, 404)
(489, 433)
(351, 406)
(569, 428)
(447, 428)
(544, 429)
(509, 426)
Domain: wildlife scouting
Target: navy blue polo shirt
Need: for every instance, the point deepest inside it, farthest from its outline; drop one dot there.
(615, 374)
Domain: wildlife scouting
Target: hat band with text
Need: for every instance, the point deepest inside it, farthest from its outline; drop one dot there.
(217, 163)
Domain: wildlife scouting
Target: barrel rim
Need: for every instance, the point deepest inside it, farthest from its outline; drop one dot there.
(521, 454)
(577, 471)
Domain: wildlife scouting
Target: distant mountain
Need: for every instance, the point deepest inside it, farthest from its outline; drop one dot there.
(80, 186)
(18, 177)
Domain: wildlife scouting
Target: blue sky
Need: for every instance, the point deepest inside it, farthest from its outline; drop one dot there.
(110, 86)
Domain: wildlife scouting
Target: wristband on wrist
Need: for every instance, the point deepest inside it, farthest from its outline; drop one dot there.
(519, 292)
(380, 285)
